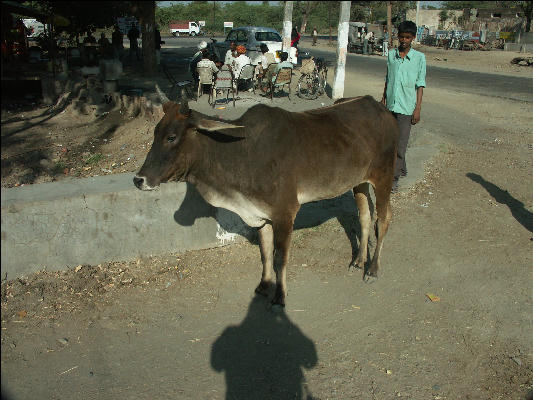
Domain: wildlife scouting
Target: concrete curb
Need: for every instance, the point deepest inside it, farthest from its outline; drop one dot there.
(88, 221)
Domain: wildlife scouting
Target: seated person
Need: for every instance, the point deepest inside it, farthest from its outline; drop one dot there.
(240, 61)
(196, 59)
(206, 61)
(231, 53)
(283, 64)
(263, 61)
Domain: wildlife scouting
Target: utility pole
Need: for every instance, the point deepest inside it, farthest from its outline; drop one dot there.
(287, 27)
(342, 44)
(417, 19)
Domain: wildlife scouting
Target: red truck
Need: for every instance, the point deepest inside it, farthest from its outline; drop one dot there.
(191, 28)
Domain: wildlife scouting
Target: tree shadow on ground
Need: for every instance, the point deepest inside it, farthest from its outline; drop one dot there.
(264, 355)
(519, 212)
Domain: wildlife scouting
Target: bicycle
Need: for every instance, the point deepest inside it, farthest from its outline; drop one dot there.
(312, 83)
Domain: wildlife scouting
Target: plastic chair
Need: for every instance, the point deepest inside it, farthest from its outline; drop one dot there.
(247, 74)
(223, 81)
(283, 78)
(205, 76)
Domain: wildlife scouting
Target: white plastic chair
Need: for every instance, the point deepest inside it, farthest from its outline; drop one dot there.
(205, 76)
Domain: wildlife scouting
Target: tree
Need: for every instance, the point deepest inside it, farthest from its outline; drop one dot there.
(305, 8)
(144, 11)
(443, 17)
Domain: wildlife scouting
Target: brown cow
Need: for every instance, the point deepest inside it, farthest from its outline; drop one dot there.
(268, 162)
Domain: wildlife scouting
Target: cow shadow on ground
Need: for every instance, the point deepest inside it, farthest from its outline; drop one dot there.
(517, 208)
(264, 356)
(311, 215)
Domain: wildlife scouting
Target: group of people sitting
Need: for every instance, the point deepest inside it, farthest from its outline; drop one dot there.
(236, 59)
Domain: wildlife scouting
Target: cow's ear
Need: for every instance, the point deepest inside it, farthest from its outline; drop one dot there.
(176, 110)
(211, 126)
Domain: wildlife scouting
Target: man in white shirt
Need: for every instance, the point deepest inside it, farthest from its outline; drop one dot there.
(240, 61)
(205, 62)
(230, 54)
(368, 36)
(263, 61)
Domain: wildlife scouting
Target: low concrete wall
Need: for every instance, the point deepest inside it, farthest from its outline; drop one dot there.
(89, 221)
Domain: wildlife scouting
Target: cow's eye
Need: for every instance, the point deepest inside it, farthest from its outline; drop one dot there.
(171, 138)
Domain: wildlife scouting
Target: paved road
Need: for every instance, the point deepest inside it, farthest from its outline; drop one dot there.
(493, 85)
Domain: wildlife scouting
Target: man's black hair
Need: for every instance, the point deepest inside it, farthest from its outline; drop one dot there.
(264, 47)
(284, 56)
(407, 27)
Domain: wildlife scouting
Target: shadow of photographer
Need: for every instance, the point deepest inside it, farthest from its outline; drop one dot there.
(263, 357)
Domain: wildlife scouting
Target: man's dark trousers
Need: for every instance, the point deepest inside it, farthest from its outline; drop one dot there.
(404, 122)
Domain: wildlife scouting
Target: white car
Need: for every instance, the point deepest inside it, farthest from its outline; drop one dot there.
(252, 37)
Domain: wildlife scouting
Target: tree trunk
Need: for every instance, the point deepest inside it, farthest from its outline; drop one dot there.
(287, 26)
(305, 17)
(146, 14)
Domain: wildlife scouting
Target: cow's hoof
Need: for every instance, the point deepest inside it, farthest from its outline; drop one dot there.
(354, 265)
(264, 288)
(279, 298)
(370, 277)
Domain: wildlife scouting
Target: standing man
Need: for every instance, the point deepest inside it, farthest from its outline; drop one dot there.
(385, 43)
(368, 36)
(315, 36)
(158, 43)
(404, 87)
(117, 39)
(133, 35)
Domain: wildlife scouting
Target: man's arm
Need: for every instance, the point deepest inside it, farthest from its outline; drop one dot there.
(416, 114)
(384, 98)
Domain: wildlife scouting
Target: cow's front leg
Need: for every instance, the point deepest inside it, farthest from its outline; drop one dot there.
(266, 246)
(282, 242)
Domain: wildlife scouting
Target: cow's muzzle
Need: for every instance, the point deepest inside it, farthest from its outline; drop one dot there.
(140, 182)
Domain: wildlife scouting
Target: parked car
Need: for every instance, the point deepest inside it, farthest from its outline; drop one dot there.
(190, 28)
(251, 37)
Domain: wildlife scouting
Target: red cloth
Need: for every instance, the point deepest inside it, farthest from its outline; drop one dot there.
(296, 39)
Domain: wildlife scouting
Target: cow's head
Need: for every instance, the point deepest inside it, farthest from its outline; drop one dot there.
(172, 150)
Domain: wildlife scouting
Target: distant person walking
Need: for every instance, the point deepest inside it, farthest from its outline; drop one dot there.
(368, 36)
(386, 43)
(133, 35)
(315, 36)
(404, 87)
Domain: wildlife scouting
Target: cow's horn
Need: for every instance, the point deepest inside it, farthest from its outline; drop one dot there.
(164, 99)
(184, 107)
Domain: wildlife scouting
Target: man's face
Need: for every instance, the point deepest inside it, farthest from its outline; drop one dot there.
(233, 46)
(405, 40)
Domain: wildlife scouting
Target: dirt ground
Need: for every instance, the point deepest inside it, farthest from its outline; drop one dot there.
(451, 316)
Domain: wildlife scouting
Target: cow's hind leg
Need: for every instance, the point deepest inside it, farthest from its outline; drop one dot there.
(266, 246)
(282, 242)
(382, 191)
(361, 194)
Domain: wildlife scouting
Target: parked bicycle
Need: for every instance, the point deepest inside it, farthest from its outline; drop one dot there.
(313, 81)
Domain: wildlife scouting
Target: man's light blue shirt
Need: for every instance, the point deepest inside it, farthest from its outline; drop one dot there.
(404, 76)
(283, 64)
